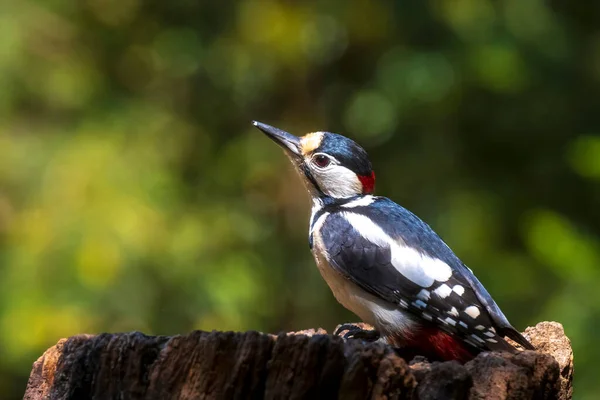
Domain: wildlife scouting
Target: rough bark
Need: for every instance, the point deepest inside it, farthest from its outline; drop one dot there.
(307, 364)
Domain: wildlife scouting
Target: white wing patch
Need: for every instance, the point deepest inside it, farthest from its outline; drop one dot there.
(424, 295)
(450, 321)
(477, 338)
(419, 268)
(419, 304)
(458, 289)
(443, 291)
(472, 311)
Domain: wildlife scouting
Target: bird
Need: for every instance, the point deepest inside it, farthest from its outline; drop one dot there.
(384, 264)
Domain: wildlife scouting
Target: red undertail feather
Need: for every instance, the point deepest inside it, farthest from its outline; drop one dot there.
(437, 345)
(368, 182)
(448, 347)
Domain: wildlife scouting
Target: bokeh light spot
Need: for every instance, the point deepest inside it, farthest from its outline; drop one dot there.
(583, 156)
(372, 116)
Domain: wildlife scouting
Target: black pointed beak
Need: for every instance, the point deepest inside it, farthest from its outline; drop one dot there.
(289, 142)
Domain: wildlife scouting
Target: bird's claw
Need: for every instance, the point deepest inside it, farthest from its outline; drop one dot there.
(357, 331)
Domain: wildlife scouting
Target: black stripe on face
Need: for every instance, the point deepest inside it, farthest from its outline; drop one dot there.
(311, 179)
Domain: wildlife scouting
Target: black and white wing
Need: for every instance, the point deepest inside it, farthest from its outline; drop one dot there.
(389, 252)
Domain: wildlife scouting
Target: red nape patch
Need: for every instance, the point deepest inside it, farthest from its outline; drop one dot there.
(438, 345)
(368, 182)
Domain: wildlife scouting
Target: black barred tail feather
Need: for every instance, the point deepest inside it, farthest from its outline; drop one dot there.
(517, 337)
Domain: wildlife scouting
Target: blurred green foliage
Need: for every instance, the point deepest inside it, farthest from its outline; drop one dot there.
(135, 195)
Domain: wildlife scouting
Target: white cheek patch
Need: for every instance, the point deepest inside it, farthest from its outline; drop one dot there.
(419, 268)
(337, 181)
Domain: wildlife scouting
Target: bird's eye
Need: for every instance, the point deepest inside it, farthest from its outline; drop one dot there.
(322, 161)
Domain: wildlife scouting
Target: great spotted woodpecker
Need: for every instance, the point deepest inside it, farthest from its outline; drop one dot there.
(385, 264)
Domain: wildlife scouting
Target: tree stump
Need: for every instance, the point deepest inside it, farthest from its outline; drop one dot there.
(307, 364)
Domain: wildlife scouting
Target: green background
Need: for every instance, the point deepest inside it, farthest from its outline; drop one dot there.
(135, 194)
